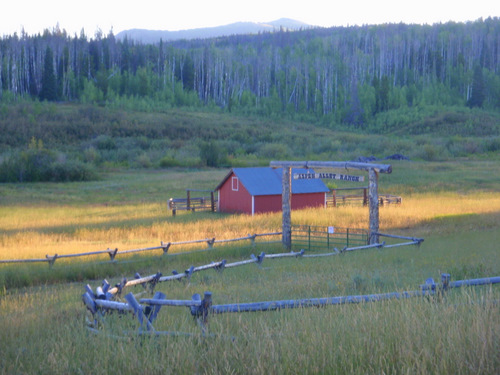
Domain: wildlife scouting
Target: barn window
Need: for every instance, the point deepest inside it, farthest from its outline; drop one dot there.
(235, 183)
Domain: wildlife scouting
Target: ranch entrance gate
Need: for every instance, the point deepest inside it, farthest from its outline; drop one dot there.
(373, 202)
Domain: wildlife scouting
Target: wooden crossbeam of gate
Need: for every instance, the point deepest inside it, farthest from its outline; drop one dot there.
(372, 169)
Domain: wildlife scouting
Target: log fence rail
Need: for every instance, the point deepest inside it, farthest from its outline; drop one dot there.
(315, 239)
(337, 197)
(146, 309)
(151, 281)
(165, 246)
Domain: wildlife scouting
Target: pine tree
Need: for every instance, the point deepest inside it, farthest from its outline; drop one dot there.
(49, 85)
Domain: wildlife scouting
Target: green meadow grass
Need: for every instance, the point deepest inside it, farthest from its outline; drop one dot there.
(44, 327)
(43, 319)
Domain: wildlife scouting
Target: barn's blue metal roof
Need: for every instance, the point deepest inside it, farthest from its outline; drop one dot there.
(267, 181)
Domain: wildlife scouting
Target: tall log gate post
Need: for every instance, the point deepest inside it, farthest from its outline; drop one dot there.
(373, 204)
(286, 204)
(372, 169)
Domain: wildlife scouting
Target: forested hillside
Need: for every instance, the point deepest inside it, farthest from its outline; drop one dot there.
(73, 105)
(337, 75)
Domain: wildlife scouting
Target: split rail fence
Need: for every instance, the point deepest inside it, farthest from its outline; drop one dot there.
(103, 299)
(146, 309)
(307, 237)
(150, 282)
(165, 246)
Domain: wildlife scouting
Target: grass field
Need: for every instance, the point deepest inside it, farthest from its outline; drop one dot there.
(455, 206)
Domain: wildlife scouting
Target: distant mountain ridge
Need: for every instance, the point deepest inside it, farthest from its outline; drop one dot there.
(154, 36)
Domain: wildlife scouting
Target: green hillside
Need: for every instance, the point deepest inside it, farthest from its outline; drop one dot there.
(80, 140)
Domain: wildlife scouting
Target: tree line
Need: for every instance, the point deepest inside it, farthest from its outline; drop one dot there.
(347, 74)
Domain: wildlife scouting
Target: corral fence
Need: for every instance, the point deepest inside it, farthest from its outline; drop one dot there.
(357, 195)
(336, 197)
(194, 203)
(311, 237)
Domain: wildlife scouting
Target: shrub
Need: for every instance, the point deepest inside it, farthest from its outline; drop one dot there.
(169, 162)
(212, 155)
(104, 142)
(39, 164)
(91, 155)
(70, 170)
(430, 152)
(27, 166)
(274, 151)
(144, 161)
(493, 144)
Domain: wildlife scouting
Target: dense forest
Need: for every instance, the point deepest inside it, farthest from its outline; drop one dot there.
(338, 75)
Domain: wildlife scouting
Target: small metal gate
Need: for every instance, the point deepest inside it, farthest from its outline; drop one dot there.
(312, 238)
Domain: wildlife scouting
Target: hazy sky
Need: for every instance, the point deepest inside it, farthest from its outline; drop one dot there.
(36, 15)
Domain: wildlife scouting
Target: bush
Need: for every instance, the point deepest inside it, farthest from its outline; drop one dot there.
(274, 151)
(212, 155)
(493, 145)
(144, 161)
(91, 155)
(71, 170)
(430, 152)
(26, 166)
(104, 142)
(169, 162)
(39, 164)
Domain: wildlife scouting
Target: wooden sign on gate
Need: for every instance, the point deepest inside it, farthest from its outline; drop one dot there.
(331, 176)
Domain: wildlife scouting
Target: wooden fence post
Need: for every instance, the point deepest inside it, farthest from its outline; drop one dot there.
(252, 239)
(165, 246)
(51, 259)
(153, 312)
(258, 259)
(139, 313)
(212, 201)
(112, 253)
(373, 201)
(189, 272)
(210, 243)
(188, 199)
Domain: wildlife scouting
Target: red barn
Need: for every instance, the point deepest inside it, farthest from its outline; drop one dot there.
(259, 190)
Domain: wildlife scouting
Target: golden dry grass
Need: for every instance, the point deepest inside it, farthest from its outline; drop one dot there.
(416, 211)
(33, 232)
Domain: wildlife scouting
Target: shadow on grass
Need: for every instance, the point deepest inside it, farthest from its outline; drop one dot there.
(87, 269)
(184, 217)
(469, 222)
